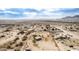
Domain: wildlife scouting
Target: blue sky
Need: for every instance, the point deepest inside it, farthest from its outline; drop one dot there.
(35, 9)
(33, 13)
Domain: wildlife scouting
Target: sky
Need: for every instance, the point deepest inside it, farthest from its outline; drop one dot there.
(35, 9)
(32, 13)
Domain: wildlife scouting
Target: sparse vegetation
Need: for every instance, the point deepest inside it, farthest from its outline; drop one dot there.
(24, 38)
(2, 36)
(7, 30)
(16, 49)
(17, 38)
(63, 37)
(28, 37)
(68, 50)
(8, 47)
(20, 44)
(34, 41)
(27, 49)
(21, 32)
(71, 46)
(38, 38)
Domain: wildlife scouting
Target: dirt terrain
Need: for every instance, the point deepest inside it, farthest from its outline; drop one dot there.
(39, 36)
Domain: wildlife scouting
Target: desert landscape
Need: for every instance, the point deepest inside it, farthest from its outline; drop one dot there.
(39, 36)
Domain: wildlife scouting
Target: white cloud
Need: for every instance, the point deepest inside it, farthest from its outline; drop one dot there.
(29, 14)
(11, 12)
(37, 13)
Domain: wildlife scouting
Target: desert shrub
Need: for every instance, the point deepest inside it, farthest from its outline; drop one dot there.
(17, 38)
(44, 29)
(16, 49)
(20, 44)
(71, 46)
(2, 36)
(7, 30)
(24, 38)
(37, 38)
(9, 47)
(34, 41)
(21, 32)
(27, 49)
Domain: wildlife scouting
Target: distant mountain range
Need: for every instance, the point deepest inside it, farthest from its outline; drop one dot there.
(70, 18)
(65, 19)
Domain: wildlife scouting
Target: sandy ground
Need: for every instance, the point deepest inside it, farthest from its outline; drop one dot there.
(39, 37)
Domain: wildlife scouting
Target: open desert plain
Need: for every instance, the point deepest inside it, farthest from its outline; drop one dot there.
(39, 36)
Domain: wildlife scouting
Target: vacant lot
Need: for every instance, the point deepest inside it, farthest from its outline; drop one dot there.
(39, 36)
